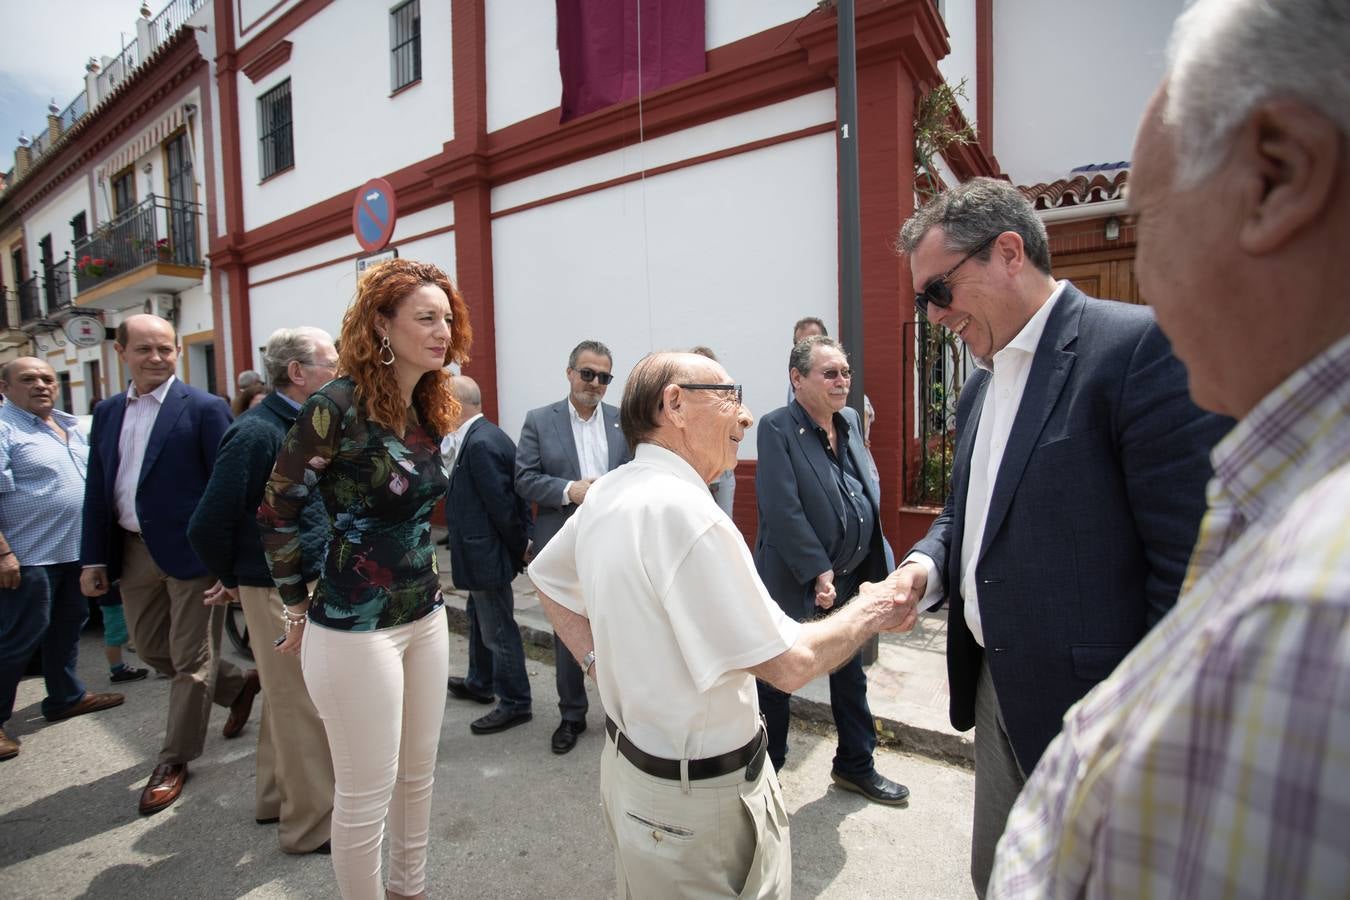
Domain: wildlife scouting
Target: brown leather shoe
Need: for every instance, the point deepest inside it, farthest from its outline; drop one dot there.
(90, 702)
(9, 748)
(242, 706)
(165, 784)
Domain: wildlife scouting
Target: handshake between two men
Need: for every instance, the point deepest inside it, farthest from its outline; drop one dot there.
(897, 595)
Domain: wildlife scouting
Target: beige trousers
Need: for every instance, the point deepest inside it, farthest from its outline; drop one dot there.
(381, 695)
(292, 742)
(180, 637)
(719, 837)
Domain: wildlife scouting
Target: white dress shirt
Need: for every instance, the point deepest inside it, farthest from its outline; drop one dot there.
(592, 445)
(451, 443)
(1002, 397)
(137, 423)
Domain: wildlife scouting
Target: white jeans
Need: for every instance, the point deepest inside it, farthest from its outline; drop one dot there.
(381, 695)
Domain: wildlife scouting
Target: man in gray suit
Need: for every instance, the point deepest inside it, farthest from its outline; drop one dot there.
(1077, 488)
(564, 447)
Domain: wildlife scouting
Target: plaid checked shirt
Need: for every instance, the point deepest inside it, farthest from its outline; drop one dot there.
(1215, 761)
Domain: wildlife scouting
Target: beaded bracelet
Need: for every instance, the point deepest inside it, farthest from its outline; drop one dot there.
(293, 620)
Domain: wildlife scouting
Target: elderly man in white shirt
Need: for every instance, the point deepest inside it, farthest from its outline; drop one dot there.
(652, 587)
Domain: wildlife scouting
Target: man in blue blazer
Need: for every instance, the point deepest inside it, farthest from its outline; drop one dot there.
(819, 538)
(563, 448)
(489, 533)
(151, 452)
(1076, 493)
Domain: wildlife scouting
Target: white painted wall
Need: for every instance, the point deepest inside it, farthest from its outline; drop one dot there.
(1071, 86)
(522, 48)
(252, 16)
(959, 16)
(727, 21)
(320, 297)
(53, 218)
(728, 254)
(346, 126)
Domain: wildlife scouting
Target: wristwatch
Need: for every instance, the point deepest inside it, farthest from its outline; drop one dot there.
(586, 662)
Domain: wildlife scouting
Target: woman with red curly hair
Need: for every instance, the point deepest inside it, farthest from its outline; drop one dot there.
(372, 636)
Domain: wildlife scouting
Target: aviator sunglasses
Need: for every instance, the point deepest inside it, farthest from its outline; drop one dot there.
(589, 375)
(938, 292)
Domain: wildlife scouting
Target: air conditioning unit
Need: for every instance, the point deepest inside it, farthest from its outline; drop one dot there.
(160, 305)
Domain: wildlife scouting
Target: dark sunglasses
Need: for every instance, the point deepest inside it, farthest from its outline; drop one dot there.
(589, 375)
(734, 390)
(938, 292)
(832, 374)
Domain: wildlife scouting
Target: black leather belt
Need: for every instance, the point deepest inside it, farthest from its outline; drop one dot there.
(749, 757)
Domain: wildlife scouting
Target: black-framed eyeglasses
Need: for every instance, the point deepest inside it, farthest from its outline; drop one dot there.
(730, 391)
(832, 374)
(938, 292)
(589, 375)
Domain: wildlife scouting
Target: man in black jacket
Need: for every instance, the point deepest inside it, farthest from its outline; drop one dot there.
(295, 772)
(489, 532)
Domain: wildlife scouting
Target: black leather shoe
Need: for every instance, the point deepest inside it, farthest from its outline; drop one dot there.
(461, 691)
(499, 720)
(875, 787)
(565, 737)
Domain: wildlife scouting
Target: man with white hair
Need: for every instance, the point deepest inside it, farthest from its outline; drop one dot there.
(1215, 761)
(294, 784)
(653, 588)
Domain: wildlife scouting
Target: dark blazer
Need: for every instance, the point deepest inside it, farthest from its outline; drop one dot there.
(224, 528)
(1091, 521)
(177, 466)
(801, 512)
(489, 522)
(547, 459)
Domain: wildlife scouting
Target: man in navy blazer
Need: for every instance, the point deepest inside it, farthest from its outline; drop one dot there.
(563, 448)
(1076, 493)
(489, 533)
(819, 538)
(151, 452)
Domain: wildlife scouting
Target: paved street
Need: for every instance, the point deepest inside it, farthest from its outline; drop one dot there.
(509, 820)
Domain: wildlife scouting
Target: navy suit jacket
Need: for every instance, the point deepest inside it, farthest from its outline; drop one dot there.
(1091, 521)
(178, 462)
(547, 459)
(489, 522)
(801, 512)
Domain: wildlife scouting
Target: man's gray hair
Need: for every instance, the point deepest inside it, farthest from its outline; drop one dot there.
(466, 391)
(1226, 56)
(971, 213)
(246, 377)
(595, 347)
(800, 358)
(287, 345)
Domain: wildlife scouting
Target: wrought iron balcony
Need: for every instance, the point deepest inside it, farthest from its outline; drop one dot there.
(158, 232)
(30, 301)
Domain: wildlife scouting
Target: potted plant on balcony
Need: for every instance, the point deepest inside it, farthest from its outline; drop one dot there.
(163, 250)
(92, 266)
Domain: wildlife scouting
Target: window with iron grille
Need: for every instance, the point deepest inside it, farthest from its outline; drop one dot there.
(405, 44)
(276, 153)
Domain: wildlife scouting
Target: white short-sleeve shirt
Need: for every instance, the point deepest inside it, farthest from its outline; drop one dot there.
(675, 605)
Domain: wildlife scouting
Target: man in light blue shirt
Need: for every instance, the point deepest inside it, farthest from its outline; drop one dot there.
(43, 460)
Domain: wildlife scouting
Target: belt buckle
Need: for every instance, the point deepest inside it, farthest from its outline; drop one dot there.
(757, 761)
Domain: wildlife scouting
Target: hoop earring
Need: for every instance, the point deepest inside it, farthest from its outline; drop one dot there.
(385, 348)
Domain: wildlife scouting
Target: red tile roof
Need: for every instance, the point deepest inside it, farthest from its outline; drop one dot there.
(1078, 189)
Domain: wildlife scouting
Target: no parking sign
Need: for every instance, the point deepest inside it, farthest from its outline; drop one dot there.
(374, 213)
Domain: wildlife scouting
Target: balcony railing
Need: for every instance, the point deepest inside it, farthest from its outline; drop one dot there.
(157, 230)
(172, 17)
(30, 301)
(74, 111)
(56, 285)
(940, 370)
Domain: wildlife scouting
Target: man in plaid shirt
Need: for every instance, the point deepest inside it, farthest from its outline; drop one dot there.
(1215, 761)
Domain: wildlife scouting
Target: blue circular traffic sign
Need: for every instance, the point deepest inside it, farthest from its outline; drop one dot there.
(374, 213)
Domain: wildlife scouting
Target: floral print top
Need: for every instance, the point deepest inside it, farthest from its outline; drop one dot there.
(380, 566)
